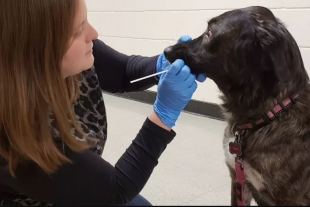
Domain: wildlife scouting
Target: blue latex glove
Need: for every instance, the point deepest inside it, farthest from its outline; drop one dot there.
(175, 90)
(163, 63)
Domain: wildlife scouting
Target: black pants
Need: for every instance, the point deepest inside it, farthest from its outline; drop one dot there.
(26, 201)
(139, 201)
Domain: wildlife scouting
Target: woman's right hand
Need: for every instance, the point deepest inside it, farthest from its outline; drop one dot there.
(175, 90)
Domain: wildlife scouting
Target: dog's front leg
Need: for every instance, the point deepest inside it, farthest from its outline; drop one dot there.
(258, 198)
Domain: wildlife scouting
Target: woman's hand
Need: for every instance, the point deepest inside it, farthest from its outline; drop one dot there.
(175, 90)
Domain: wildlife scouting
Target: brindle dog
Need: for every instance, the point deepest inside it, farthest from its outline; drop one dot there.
(257, 64)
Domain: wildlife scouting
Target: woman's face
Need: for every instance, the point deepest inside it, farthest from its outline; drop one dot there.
(79, 56)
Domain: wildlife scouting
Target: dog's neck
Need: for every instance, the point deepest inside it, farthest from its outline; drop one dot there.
(241, 108)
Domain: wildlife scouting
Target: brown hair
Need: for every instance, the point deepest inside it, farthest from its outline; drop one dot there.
(35, 35)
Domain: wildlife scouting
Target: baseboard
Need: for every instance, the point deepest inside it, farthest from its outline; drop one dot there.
(197, 107)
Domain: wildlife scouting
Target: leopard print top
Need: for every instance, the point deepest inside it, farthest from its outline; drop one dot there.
(89, 111)
(90, 114)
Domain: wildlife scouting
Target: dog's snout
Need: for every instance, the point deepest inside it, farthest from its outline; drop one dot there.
(167, 51)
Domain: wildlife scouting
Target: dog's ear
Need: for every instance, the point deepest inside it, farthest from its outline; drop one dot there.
(265, 43)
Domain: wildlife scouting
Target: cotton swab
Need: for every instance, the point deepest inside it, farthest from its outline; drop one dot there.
(145, 77)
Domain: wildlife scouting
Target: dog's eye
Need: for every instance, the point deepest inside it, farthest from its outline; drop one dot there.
(209, 33)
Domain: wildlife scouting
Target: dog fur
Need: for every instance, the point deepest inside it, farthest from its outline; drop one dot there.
(256, 63)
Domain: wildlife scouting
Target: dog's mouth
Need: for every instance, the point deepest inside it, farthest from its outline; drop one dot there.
(175, 52)
(187, 51)
(192, 53)
(172, 55)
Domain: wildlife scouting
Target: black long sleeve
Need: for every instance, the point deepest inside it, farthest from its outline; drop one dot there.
(115, 70)
(91, 180)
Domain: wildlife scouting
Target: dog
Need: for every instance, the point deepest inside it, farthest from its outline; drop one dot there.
(257, 65)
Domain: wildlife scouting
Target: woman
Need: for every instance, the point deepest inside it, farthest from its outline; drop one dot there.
(53, 124)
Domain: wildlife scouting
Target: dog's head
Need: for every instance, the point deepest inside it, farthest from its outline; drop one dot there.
(245, 51)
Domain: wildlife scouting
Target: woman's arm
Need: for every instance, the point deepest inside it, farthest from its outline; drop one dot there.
(90, 180)
(115, 70)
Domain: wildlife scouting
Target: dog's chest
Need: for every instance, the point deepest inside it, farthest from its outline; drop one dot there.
(251, 174)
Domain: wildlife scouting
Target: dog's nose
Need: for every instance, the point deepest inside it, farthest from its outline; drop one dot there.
(167, 51)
